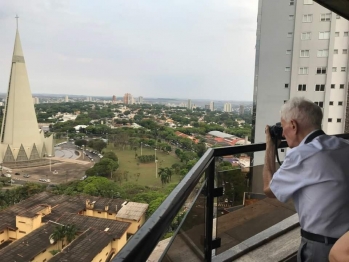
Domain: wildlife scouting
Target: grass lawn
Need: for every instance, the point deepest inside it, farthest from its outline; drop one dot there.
(127, 162)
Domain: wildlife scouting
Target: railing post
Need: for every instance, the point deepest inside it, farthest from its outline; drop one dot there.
(210, 172)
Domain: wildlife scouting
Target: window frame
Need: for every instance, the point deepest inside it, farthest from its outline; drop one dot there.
(324, 35)
(320, 88)
(302, 87)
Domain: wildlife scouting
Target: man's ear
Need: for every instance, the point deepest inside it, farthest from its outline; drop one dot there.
(294, 126)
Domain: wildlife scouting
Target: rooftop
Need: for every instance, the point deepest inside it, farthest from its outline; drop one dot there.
(26, 248)
(33, 211)
(132, 211)
(115, 228)
(85, 247)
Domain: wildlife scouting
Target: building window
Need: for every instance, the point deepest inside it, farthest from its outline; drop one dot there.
(345, 51)
(345, 34)
(303, 71)
(290, 17)
(330, 120)
(289, 34)
(302, 87)
(319, 87)
(325, 17)
(321, 70)
(287, 69)
(320, 104)
(324, 35)
(333, 86)
(292, 2)
(322, 53)
(23, 232)
(331, 103)
(340, 103)
(306, 36)
(341, 86)
(286, 85)
(308, 2)
(288, 52)
(304, 53)
(343, 69)
(338, 16)
(307, 18)
(99, 212)
(284, 103)
(335, 51)
(339, 120)
(334, 69)
(336, 34)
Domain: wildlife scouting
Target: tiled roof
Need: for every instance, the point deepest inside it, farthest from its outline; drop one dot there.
(33, 211)
(29, 246)
(85, 247)
(114, 228)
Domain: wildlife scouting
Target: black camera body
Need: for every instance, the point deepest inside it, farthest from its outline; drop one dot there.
(276, 131)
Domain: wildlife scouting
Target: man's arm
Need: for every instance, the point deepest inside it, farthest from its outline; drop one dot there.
(340, 250)
(269, 164)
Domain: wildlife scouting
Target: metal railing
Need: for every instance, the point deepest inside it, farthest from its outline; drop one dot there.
(198, 184)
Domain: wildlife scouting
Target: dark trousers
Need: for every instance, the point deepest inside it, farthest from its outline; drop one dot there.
(311, 251)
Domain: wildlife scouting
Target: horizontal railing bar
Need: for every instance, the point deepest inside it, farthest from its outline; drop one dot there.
(141, 245)
(232, 150)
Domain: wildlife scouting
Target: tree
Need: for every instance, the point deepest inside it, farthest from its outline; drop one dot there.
(81, 142)
(110, 155)
(59, 234)
(70, 232)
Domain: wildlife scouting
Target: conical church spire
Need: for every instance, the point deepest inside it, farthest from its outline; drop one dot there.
(19, 127)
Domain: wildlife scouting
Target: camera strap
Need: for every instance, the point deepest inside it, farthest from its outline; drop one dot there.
(313, 135)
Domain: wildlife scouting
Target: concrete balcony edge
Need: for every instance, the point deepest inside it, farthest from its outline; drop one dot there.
(259, 239)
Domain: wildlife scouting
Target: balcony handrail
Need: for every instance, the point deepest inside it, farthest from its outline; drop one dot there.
(141, 245)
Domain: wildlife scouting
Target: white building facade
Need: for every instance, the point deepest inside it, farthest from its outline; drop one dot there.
(227, 107)
(301, 50)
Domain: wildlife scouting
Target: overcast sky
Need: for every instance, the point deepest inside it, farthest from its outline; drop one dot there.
(154, 48)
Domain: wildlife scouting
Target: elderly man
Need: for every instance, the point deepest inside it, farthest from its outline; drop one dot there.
(315, 174)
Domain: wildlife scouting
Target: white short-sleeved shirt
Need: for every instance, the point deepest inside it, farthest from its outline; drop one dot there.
(316, 176)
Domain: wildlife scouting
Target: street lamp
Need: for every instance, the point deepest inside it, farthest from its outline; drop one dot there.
(83, 153)
(50, 161)
(156, 168)
(155, 154)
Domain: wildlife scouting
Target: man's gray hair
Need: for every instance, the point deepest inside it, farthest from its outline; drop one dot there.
(305, 112)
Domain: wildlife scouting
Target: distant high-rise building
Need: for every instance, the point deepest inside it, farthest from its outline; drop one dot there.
(189, 105)
(241, 110)
(227, 107)
(21, 140)
(66, 99)
(140, 99)
(212, 106)
(113, 99)
(128, 99)
(36, 100)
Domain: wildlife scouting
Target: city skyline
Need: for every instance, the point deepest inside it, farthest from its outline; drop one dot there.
(176, 50)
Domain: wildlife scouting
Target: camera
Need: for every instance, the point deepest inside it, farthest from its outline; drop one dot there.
(276, 131)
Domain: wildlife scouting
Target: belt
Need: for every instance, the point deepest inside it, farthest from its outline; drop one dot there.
(318, 238)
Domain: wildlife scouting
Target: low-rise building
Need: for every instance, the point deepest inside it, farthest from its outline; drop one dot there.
(25, 224)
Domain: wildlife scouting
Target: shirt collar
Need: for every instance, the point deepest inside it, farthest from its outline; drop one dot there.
(305, 138)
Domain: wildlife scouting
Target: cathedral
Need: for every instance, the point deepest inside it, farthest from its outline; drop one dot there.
(22, 141)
